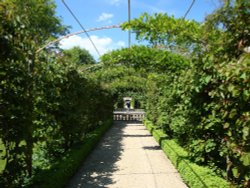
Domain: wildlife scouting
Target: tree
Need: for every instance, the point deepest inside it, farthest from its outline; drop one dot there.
(79, 56)
(126, 71)
(232, 19)
(166, 32)
(24, 27)
(206, 107)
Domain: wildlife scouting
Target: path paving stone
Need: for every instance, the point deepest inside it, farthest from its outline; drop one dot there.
(127, 157)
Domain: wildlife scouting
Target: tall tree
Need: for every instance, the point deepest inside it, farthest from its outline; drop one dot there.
(80, 56)
(24, 27)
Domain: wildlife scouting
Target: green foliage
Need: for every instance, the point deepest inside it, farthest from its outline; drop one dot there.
(204, 103)
(21, 32)
(167, 32)
(2, 154)
(79, 56)
(232, 19)
(121, 75)
(46, 103)
(193, 175)
(68, 165)
(134, 65)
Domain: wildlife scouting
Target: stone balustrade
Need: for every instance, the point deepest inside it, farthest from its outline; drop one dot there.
(128, 115)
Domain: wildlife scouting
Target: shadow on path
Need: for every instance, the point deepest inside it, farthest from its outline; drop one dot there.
(100, 165)
(151, 147)
(127, 157)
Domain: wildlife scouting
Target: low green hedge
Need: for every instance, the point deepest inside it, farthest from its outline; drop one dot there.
(60, 173)
(194, 175)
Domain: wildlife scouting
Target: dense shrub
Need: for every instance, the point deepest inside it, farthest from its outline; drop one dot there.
(193, 174)
(67, 166)
(204, 104)
(207, 109)
(46, 103)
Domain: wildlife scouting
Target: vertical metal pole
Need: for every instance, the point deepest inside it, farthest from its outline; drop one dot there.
(129, 32)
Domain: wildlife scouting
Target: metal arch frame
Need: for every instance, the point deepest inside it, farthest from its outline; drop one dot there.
(77, 33)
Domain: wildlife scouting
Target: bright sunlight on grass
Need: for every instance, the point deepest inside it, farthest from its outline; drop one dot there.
(2, 152)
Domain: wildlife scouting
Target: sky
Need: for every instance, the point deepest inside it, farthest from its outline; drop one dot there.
(99, 13)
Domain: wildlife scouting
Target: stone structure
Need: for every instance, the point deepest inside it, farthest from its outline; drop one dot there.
(128, 115)
(127, 103)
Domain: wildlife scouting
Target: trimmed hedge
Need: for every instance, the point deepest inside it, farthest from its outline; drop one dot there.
(194, 175)
(61, 172)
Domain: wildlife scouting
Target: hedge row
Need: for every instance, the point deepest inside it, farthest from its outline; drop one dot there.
(60, 173)
(194, 175)
(203, 101)
(47, 102)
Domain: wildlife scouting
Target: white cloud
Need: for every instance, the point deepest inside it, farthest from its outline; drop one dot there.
(115, 2)
(105, 17)
(121, 44)
(103, 44)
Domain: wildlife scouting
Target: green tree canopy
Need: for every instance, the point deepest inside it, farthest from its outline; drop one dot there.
(24, 27)
(226, 30)
(166, 32)
(125, 71)
(79, 56)
(206, 105)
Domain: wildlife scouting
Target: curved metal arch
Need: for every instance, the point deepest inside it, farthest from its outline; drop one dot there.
(77, 33)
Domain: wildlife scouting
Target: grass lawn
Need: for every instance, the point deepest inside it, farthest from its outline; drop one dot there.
(2, 152)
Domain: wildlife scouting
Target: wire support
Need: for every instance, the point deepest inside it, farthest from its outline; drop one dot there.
(190, 7)
(77, 33)
(77, 20)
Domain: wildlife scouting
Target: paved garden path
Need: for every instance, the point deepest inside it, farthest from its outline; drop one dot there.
(127, 157)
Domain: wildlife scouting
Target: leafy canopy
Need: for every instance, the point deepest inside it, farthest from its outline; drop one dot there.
(79, 56)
